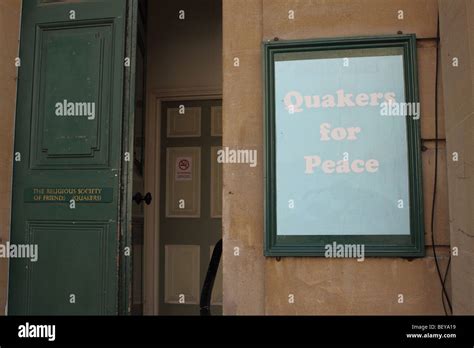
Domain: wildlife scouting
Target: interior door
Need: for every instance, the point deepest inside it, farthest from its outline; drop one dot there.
(191, 203)
(70, 150)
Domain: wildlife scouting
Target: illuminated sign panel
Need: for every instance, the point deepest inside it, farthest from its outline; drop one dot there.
(343, 146)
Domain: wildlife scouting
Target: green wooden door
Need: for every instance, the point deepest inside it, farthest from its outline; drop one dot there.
(69, 178)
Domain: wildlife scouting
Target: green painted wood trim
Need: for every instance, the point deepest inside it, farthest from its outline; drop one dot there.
(125, 274)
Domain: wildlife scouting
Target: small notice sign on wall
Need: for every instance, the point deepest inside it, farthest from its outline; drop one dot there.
(184, 169)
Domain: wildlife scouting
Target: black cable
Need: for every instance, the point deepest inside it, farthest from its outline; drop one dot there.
(444, 293)
(444, 282)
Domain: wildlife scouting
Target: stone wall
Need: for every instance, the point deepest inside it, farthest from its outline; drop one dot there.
(254, 284)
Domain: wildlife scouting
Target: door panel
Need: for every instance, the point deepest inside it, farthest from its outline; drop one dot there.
(66, 186)
(190, 219)
(71, 62)
(182, 272)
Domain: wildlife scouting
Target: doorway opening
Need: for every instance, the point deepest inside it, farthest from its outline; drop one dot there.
(177, 180)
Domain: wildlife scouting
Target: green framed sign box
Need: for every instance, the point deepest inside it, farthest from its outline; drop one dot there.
(342, 148)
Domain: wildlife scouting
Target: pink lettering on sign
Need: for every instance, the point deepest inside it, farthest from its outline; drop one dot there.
(296, 102)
